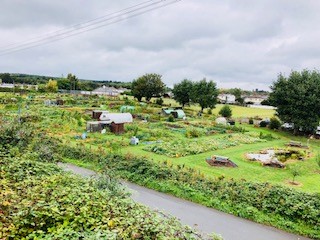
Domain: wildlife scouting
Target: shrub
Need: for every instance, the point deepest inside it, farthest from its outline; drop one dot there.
(225, 111)
(274, 123)
(171, 118)
(159, 101)
(263, 124)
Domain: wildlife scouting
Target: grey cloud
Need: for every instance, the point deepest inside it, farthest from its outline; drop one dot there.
(241, 43)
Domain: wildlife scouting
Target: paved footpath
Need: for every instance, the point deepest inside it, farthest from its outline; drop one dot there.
(206, 220)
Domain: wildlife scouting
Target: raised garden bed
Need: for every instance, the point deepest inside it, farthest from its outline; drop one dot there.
(219, 161)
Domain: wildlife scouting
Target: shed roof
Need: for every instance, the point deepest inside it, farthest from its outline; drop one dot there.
(117, 117)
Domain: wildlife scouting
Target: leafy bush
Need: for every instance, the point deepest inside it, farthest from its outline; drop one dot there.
(263, 124)
(171, 118)
(39, 201)
(276, 205)
(194, 133)
(274, 123)
(159, 101)
(225, 111)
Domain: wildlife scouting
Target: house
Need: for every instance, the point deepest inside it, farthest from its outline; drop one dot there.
(227, 98)
(255, 100)
(108, 91)
(20, 86)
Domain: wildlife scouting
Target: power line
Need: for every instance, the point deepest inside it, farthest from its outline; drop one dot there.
(134, 11)
(72, 27)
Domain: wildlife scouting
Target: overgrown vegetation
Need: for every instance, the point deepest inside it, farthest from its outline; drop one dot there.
(262, 202)
(39, 201)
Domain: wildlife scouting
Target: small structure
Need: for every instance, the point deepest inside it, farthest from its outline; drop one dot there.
(50, 102)
(318, 132)
(60, 102)
(179, 113)
(115, 121)
(175, 112)
(94, 126)
(221, 120)
(227, 98)
(97, 113)
(134, 141)
(220, 161)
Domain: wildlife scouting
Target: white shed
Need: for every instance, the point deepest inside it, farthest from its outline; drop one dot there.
(221, 120)
(117, 118)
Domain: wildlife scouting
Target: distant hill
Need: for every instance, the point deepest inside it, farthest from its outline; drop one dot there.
(84, 84)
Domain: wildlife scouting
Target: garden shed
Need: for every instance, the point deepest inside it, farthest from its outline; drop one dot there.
(167, 111)
(178, 114)
(94, 126)
(116, 121)
(97, 113)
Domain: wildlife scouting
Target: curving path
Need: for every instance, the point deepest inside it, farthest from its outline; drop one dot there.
(204, 219)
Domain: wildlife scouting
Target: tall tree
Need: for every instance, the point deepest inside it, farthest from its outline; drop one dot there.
(297, 99)
(6, 78)
(73, 81)
(182, 92)
(237, 92)
(205, 93)
(148, 86)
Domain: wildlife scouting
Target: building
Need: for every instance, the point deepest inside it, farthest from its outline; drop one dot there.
(114, 121)
(109, 91)
(227, 98)
(255, 100)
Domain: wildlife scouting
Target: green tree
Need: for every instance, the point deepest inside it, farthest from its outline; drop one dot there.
(297, 99)
(237, 92)
(182, 92)
(295, 172)
(51, 86)
(225, 111)
(74, 81)
(6, 78)
(148, 86)
(205, 93)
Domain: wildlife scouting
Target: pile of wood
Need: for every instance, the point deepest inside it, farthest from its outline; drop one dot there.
(220, 161)
(296, 144)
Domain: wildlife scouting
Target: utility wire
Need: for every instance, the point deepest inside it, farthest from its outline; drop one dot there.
(92, 25)
(73, 27)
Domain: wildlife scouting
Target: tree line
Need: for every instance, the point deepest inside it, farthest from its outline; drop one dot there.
(71, 82)
(202, 92)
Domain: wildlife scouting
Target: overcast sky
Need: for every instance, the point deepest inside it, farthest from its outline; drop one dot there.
(236, 43)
